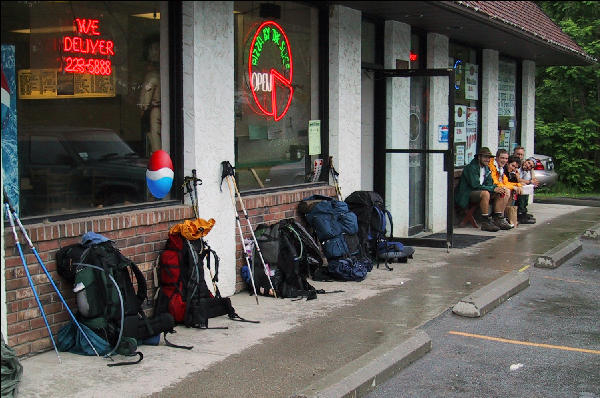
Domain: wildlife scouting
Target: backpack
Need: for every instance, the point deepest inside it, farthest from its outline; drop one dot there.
(107, 301)
(372, 228)
(181, 288)
(336, 228)
(291, 256)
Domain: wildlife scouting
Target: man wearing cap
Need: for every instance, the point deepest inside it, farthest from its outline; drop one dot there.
(476, 186)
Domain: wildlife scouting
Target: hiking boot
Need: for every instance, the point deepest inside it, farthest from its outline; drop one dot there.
(488, 225)
(501, 223)
(523, 219)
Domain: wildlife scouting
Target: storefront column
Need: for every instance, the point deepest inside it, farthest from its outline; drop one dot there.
(208, 91)
(437, 58)
(344, 96)
(397, 135)
(489, 100)
(528, 109)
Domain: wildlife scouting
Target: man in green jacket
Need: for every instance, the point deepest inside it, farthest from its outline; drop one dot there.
(476, 186)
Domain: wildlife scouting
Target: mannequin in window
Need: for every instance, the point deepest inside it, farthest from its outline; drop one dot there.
(149, 103)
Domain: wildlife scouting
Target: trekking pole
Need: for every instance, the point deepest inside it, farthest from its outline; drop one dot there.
(30, 244)
(195, 180)
(187, 183)
(267, 271)
(37, 299)
(226, 166)
(334, 176)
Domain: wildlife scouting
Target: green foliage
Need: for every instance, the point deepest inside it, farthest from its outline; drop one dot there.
(568, 100)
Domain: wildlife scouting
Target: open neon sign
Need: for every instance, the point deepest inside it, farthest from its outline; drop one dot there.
(88, 46)
(267, 79)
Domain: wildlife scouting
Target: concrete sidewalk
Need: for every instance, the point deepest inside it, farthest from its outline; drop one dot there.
(314, 348)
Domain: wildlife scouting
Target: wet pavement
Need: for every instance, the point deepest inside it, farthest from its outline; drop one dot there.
(298, 343)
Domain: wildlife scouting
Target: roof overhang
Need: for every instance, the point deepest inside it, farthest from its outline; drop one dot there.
(465, 26)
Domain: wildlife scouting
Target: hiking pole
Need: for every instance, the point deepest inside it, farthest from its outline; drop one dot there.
(37, 299)
(226, 170)
(37, 256)
(187, 183)
(267, 270)
(195, 180)
(334, 176)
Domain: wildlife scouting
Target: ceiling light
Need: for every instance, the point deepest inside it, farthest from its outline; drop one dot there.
(50, 29)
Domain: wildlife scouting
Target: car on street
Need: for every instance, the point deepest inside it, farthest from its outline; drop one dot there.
(544, 170)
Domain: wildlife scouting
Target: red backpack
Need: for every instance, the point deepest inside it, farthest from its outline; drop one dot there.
(182, 290)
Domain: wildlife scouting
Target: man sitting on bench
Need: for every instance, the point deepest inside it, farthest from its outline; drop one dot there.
(476, 186)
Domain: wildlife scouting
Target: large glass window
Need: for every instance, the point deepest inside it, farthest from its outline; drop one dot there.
(277, 126)
(466, 103)
(89, 78)
(507, 94)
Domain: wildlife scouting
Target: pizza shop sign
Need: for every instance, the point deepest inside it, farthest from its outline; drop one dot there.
(270, 70)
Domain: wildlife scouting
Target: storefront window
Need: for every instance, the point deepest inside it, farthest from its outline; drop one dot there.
(466, 100)
(88, 101)
(277, 126)
(507, 116)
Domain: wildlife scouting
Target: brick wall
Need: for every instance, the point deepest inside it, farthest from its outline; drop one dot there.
(140, 235)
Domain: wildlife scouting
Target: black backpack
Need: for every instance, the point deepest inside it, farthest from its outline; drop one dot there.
(107, 301)
(372, 218)
(292, 256)
(182, 290)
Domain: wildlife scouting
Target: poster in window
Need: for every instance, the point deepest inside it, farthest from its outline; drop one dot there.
(471, 81)
(506, 88)
(459, 155)
(471, 147)
(10, 170)
(460, 123)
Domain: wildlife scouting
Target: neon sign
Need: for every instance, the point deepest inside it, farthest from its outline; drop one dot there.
(266, 81)
(87, 46)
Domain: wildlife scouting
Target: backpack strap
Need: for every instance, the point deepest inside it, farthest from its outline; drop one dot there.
(168, 343)
(139, 354)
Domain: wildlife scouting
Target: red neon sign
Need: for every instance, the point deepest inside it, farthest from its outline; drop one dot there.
(270, 33)
(88, 46)
(413, 57)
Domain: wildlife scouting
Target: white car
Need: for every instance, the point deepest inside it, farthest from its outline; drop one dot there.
(544, 170)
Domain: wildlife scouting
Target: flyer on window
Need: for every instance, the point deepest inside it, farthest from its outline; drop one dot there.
(10, 170)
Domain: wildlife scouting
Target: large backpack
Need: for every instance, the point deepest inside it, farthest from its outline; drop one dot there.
(336, 228)
(107, 300)
(182, 290)
(291, 256)
(373, 220)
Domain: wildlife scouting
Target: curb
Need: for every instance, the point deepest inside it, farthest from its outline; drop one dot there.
(356, 379)
(559, 254)
(491, 295)
(592, 233)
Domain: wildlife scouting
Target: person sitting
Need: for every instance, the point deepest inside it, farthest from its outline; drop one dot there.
(526, 177)
(499, 176)
(477, 186)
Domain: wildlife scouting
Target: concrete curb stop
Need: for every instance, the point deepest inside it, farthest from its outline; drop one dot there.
(592, 233)
(559, 254)
(359, 377)
(491, 295)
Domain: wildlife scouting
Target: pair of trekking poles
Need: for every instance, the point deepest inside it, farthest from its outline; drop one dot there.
(228, 173)
(13, 218)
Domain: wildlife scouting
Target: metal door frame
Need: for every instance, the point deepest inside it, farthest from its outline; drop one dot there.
(448, 153)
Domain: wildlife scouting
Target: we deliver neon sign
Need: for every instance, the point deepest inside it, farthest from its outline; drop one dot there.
(268, 79)
(88, 46)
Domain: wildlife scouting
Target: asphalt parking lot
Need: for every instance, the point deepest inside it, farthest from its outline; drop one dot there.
(542, 342)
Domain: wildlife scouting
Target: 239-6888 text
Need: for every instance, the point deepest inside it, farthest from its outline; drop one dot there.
(92, 66)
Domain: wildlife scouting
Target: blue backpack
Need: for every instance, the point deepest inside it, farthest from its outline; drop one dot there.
(336, 228)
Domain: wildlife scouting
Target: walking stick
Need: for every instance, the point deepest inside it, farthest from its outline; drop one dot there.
(226, 165)
(334, 176)
(230, 174)
(187, 183)
(37, 256)
(37, 299)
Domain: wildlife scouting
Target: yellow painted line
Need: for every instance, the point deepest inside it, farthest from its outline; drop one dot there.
(524, 268)
(501, 340)
(570, 280)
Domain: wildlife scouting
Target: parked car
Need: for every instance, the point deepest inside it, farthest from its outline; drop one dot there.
(544, 170)
(65, 169)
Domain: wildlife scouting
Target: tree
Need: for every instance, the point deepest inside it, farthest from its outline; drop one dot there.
(568, 99)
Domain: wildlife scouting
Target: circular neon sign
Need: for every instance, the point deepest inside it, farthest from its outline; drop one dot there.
(271, 82)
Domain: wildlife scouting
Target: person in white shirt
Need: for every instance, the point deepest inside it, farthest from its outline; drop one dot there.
(525, 177)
